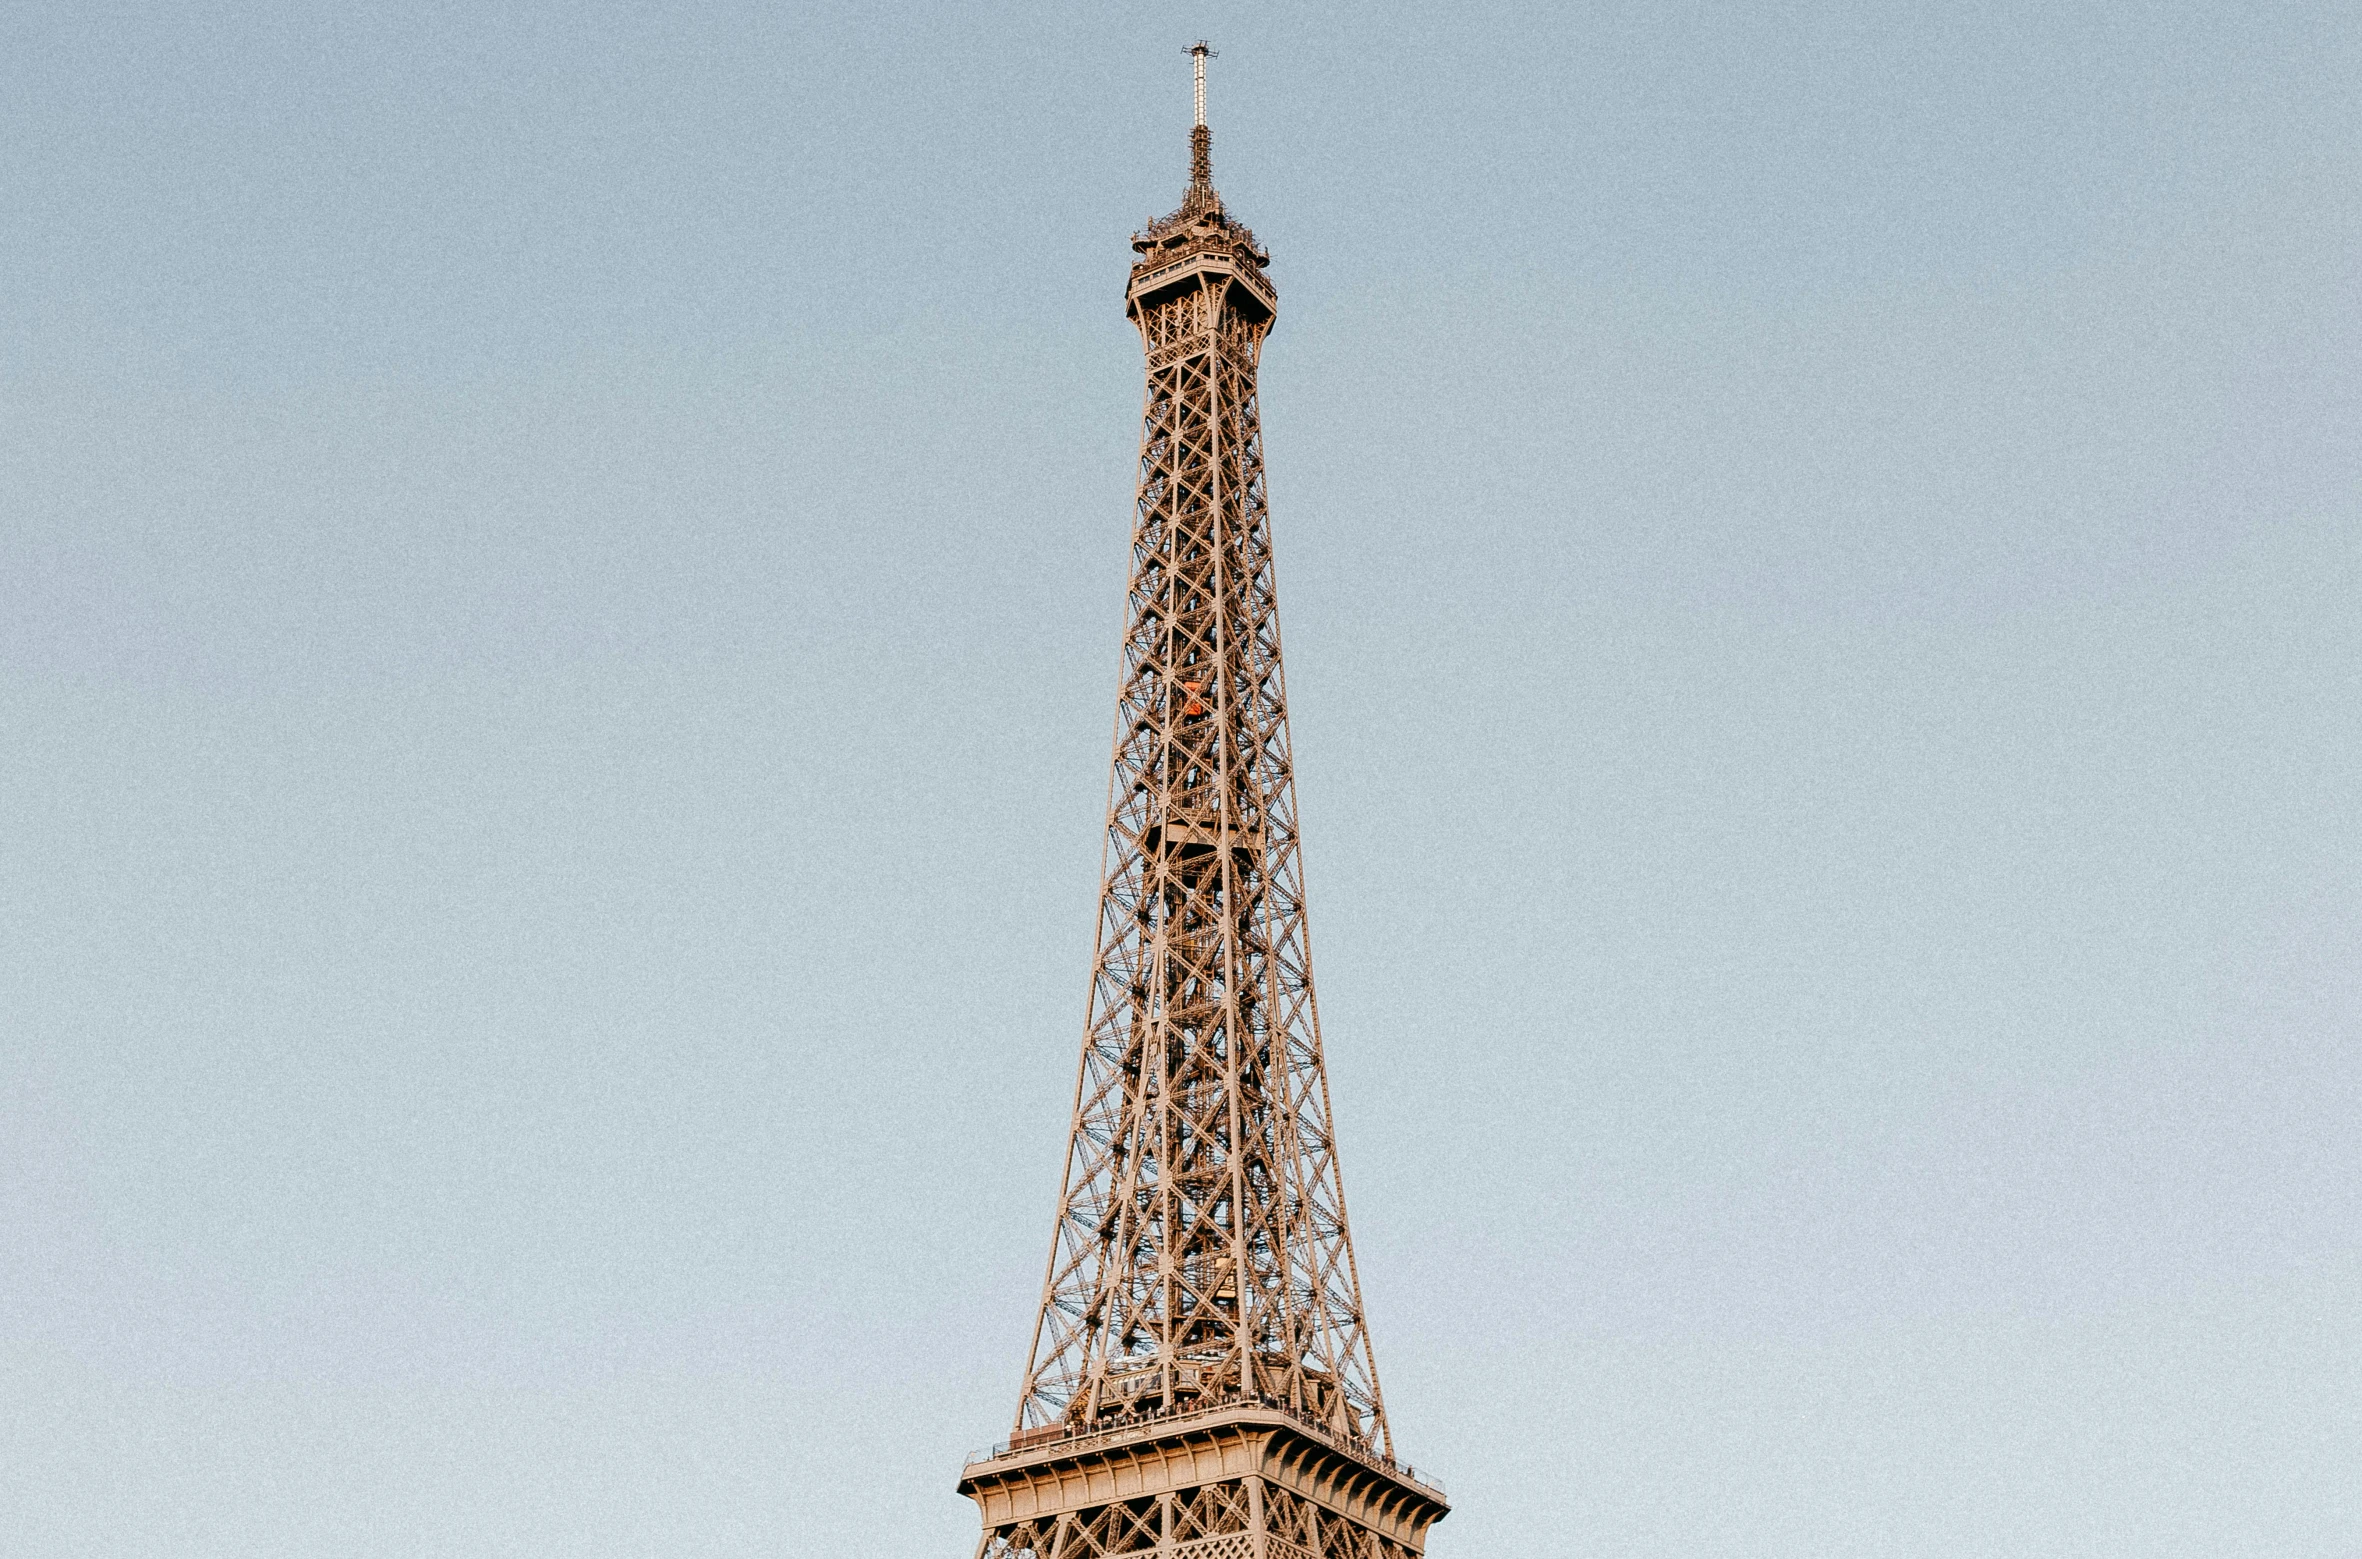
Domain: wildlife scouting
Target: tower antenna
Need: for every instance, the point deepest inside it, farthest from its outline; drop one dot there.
(1201, 139)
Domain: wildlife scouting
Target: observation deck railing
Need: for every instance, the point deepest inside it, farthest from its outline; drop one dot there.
(1225, 255)
(1109, 1430)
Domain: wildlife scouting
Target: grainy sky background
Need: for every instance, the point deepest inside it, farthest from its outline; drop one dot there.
(560, 571)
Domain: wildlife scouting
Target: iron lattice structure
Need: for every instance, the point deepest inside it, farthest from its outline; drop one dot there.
(1201, 1380)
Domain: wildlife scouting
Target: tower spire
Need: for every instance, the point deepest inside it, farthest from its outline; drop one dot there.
(1201, 139)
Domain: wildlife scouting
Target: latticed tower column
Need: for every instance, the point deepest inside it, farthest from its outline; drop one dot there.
(1201, 1380)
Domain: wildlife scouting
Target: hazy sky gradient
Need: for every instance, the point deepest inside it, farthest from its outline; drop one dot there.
(559, 587)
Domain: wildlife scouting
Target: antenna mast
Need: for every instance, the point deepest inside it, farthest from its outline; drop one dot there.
(1201, 139)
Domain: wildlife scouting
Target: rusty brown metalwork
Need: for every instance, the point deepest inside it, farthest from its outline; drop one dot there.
(1201, 1381)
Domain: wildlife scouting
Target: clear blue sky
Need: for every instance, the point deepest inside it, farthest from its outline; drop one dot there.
(560, 571)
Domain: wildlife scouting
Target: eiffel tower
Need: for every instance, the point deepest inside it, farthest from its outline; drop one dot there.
(1201, 1384)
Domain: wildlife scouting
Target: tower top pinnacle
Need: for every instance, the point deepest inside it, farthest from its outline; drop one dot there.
(1201, 140)
(1201, 225)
